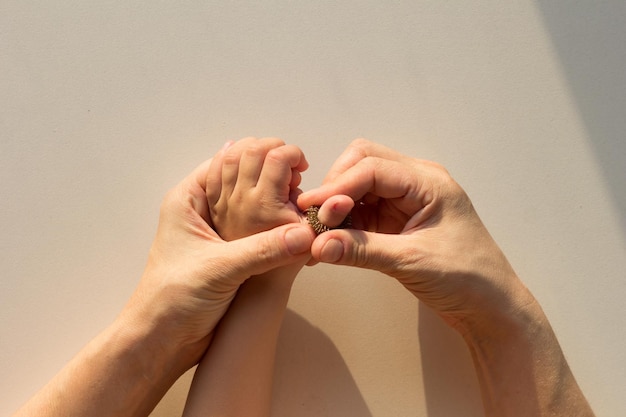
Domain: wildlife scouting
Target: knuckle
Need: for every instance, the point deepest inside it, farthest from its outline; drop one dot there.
(358, 148)
(231, 157)
(360, 256)
(170, 200)
(451, 194)
(268, 250)
(436, 166)
(369, 167)
(272, 142)
(359, 143)
(255, 149)
(276, 154)
(372, 162)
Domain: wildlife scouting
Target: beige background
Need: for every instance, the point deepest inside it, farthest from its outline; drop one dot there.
(105, 105)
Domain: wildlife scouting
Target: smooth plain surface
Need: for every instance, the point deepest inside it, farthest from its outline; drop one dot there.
(104, 106)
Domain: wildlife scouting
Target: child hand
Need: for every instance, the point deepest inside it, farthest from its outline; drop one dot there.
(252, 186)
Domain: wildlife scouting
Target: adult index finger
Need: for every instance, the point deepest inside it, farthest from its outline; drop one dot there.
(357, 150)
(372, 175)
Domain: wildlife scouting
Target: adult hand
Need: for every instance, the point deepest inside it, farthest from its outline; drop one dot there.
(192, 275)
(418, 225)
(413, 222)
(251, 187)
(191, 278)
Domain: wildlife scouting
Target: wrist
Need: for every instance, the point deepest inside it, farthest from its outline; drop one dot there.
(280, 279)
(501, 329)
(514, 311)
(121, 372)
(521, 368)
(151, 331)
(151, 347)
(138, 368)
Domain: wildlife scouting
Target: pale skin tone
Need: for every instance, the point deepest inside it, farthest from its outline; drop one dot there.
(251, 187)
(190, 280)
(412, 221)
(418, 226)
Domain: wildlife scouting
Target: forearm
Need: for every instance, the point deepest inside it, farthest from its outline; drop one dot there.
(235, 376)
(521, 368)
(122, 372)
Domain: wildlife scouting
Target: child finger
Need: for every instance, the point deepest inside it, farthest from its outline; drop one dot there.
(296, 178)
(230, 165)
(252, 161)
(277, 169)
(213, 180)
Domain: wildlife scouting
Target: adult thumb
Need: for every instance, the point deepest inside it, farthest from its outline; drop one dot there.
(264, 251)
(377, 251)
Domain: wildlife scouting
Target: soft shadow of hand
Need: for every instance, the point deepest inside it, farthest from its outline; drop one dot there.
(312, 379)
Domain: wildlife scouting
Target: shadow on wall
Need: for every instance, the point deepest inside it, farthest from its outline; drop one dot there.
(450, 383)
(311, 377)
(173, 403)
(312, 380)
(590, 39)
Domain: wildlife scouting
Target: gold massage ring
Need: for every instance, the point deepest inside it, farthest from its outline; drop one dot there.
(318, 226)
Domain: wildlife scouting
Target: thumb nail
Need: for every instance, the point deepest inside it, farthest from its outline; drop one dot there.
(332, 251)
(298, 240)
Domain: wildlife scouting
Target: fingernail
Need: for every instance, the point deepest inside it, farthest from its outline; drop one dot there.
(228, 145)
(332, 251)
(298, 240)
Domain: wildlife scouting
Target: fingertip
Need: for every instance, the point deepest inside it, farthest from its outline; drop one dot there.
(328, 247)
(304, 164)
(299, 239)
(264, 251)
(303, 200)
(335, 209)
(332, 251)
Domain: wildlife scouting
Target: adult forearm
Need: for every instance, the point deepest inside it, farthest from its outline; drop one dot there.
(521, 368)
(122, 372)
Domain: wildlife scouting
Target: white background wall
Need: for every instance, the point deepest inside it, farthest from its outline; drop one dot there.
(105, 105)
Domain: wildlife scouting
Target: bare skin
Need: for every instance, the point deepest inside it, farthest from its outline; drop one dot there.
(416, 224)
(412, 222)
(251, 187)
(191, 278)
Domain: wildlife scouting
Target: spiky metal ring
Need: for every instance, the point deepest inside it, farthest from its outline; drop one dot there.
(318, 226)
